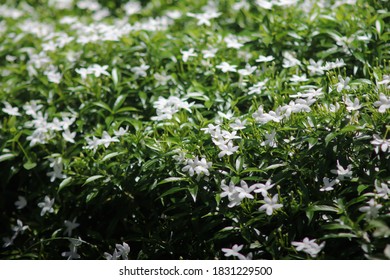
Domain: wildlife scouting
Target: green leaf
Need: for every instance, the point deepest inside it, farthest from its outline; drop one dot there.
(111, 155)
(119, 101)
(274, 166)
(65, 183)
(194, 192)
(336, 226)
(92, 178)
(91, 195)
(172, 179)
(115, 77)
(7, 157)
(103, 105)
(29, 165)
(172, 191)
(330, 137)
(323, 208)
(361, 188)
(339, 235)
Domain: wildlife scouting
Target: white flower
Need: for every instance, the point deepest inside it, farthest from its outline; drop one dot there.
(297, 79)
(342, 172)
(204, 19)
(140, 71)
(72, 253)
(352, 106)
(265, 58)
(232, 42)
(309, 246)
(46, 205)
(132, 8)
(270, 139)
(210, 53)
(328, 184)
(12, 111)
(98, 70)
(68, 136)
(372, 209)
(226, 67)
(234, 252)
(19, 228)
(248, 70)
(263, 188)
(383, 103)
(21, 202)
(289, 60)
(107, 139)
(244, 191)
(188, 54)
(379, 143)
(123, 250)
(228, 149)
(257, 88)
(238, 124)
(121, 131)
(70, 226)
(200, 167)
(114, 256)
(270, 204)
(343, 84)
(382, 189)
(57, 165)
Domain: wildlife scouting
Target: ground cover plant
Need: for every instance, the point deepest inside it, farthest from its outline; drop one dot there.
(194, 129)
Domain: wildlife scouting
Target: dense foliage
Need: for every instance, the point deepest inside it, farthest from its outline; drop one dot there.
(194, 129)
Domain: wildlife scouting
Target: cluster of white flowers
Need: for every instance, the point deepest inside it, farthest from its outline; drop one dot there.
(223, 139)
(105, 140)
(309, 246)
(166, 108)
(120, 251)
(199, 167)
(236, 194)
(96, 69)
(43, 129)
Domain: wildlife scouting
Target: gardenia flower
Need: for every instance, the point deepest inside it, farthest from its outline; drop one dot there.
(227, 149)
(342, 172)
(382, 189)
(188, 54)
(72, 253)
(123, 250)
(265, 58)
(379, 143)
(257, 88)
(204, 19)
(210, 53)
(383, 103)
(309, 246)
(12, 111)
(200, 167)
(166, 108)
(70, 226)
(352, 106)
(21, 202)
(270, 139)
(226, 67)
(244, 191)
(343, 84)
(263, 188)
(248, 70)
(232, 42)
(140, 71)
(238, 124)
(46, 205)
(234, 252)
(328, 184)
(270, 204)
(372, 209)
(68, 136)
(57, 165)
